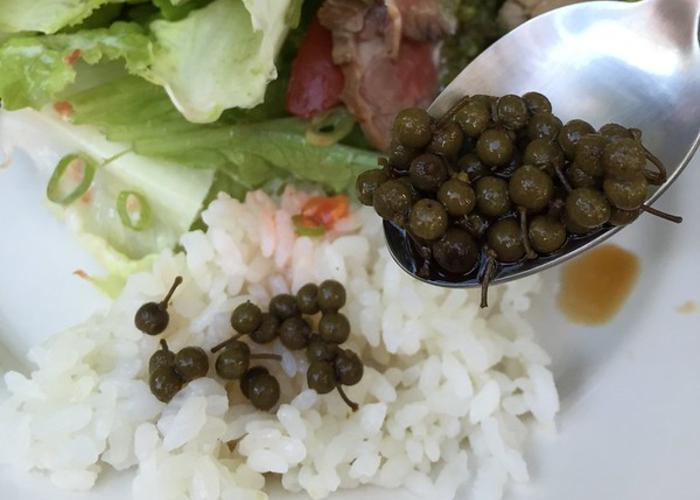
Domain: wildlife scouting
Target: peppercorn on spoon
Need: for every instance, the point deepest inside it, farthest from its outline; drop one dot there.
(632, 63)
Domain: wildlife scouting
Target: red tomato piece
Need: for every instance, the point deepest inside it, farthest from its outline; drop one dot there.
(324, 211)
(316, 82)
(63, 108)
(73, 56)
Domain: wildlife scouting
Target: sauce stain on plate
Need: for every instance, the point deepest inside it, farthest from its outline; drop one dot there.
(595, 286)
(688, 307)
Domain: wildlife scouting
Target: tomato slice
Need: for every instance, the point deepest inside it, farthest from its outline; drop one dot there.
(316, 82)
(320, 213)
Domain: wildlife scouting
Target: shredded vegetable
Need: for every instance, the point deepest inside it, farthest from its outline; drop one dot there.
(304, 227)
(76, 170)
(134, 210)
(325, 210)
(320, 214)
(330, 127)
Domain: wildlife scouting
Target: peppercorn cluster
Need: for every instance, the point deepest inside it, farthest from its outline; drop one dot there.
(289, 319)
(496, 182)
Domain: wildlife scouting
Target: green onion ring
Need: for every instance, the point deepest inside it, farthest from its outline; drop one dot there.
(53, 188)
(330, 127)
(143, 219)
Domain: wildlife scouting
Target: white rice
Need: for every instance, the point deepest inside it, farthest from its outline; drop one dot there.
(446, 401)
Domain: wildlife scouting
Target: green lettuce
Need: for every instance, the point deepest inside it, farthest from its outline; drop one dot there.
(134, 93)
(118, 267)
(221, 56)
(209, 55)
(131, 129)
(248, 148)
(37, 68)
(174, 10)
(130, 111)
(45, 16)
(174, 193)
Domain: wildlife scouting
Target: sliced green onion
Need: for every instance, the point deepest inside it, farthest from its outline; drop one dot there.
(134, 210)
(330, 127)
(302, 229)
(312, 232)
(76, 164)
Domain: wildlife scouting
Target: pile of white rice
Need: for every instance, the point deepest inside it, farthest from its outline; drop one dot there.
(448, 394)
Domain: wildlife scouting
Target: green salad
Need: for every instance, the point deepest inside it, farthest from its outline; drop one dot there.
(150, 108)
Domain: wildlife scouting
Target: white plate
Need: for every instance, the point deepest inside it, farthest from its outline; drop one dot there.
(630, 390)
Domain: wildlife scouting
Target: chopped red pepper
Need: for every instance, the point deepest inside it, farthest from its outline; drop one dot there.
(82, 274)
(321, 213)
(73, 56)
(87, 197)
(326, 210)
(63, 108)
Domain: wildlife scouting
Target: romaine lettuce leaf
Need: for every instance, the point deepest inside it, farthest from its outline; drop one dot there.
(131, 111)
(36, 68)
(221, 56)
(280, 143)
(45, 16)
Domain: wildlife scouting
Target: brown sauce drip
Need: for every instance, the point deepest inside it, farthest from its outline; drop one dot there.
(689, 307)
(595, 286)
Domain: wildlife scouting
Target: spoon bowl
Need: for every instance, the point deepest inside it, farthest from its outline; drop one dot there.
(637, 64)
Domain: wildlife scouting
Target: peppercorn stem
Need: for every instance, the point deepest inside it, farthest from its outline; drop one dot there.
(223, 344)
(661, 174)
(523, 234)
(164, 345)
(663, 215)
(276, 357)
(353, 406)
(425, 253)
(167, 298)
(562, 178)
(486, 280)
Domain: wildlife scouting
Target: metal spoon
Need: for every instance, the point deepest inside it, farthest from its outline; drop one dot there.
(637, 64)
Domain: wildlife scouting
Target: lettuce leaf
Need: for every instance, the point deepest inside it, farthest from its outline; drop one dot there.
(221, 56)
(209, 55)
(177, 165)
(174, 193)
(101, 17)
(174, 10)
(118, 267)
(45, 16)
(153, 80)
(36, 68)
(131, 111)
(280, 143)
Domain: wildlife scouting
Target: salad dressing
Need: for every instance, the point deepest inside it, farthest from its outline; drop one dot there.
(595, 286)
